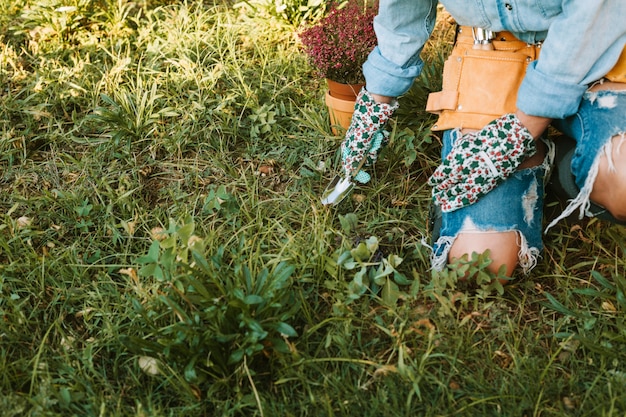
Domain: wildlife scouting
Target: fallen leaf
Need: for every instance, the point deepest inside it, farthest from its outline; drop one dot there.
(131, 227)
(23, 222)
(149, 365)
(266, 169)
(505, 359)
(608, 306)
(158, 233)
(569, 403)
(358, 198)
(131, 273)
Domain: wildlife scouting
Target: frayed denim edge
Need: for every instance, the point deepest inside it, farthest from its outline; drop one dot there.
(582, 201)
(438, 262)
(527, 256)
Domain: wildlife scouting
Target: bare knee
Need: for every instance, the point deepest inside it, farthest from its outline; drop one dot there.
(503, 247)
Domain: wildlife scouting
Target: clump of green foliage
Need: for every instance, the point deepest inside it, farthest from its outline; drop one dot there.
(222, 311)
(163, 250)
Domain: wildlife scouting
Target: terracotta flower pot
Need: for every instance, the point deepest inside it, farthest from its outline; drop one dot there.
(340, 112)
(343, 91)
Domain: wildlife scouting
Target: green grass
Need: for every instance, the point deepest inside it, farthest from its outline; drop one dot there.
(161, 164)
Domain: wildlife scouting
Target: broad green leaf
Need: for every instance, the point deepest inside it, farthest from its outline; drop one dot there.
(286, 329)
(330, 266)
(158, 273)
(258, 332)
(400, 278)
(253, 299)
(394, 260)
(186, 232)
(236, 356)
(279, 345)
(383, 272)
(283, 272)
(247, 275)
(344, 257)
(147, 271)
(350, 265)
(372, 244)
(190, 371)
(621, 299)
(152, 256)
(168, 259)
(358, 286)
(361, 252)
(261, 279)
(169, 242)
(201, 263)
(589, 292)
(391, 293)
(66, 396)
(348, 222)
(238, 293)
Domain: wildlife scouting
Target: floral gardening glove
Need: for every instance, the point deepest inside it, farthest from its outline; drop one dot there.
(479, 161)
(365, 136)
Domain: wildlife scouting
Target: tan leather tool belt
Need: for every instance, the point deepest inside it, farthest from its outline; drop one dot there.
(480, 80)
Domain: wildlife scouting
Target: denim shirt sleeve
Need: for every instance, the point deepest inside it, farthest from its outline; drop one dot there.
(584, 40)
(583, 43)
(402, 28)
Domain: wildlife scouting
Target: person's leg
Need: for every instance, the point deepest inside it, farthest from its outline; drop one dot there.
(609, 188)
(504, 247)
(507, 221)
(599, 161)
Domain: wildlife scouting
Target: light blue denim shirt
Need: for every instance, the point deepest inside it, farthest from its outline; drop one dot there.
(582, 40)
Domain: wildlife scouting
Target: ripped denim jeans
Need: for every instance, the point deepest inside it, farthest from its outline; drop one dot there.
(517, 204)
(601, 115)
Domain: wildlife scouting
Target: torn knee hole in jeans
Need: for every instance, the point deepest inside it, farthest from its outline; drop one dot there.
(527, 256)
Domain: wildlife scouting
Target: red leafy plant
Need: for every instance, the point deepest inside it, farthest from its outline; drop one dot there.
(339, 43)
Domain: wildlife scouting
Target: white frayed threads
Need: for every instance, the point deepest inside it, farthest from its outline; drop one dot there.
(548, 161)
(527, 256)
(582, 200)
(604, 101)
(608, 150)
(607, 102)
(438, 262)
(529, 202)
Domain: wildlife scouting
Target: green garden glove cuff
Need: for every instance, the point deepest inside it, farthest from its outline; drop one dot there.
(365, 137)
(479, 161)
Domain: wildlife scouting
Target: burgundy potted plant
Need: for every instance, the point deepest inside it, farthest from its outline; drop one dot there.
(337, 47)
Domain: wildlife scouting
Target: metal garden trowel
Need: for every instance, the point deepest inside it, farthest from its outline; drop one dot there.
(339, 187)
